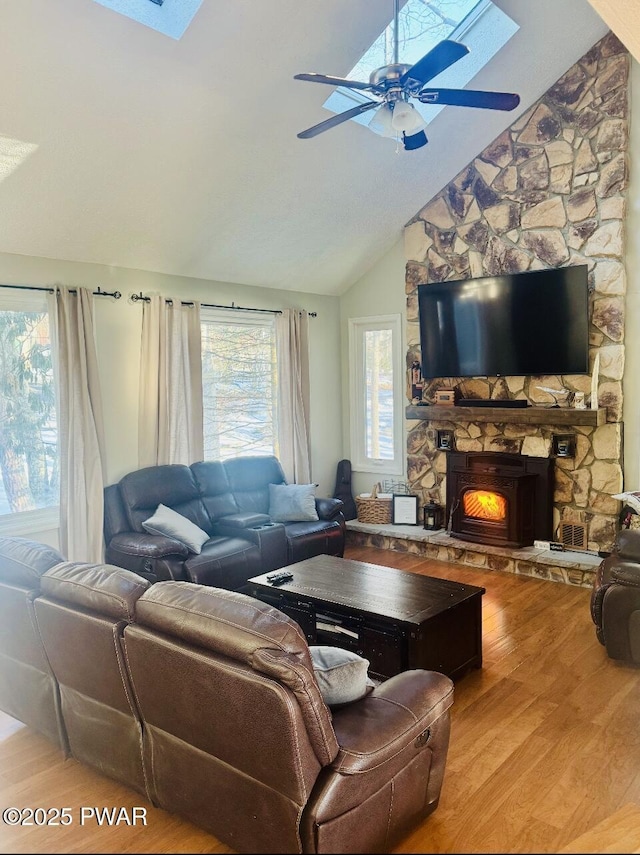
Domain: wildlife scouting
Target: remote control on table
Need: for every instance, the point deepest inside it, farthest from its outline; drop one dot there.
(278, 578)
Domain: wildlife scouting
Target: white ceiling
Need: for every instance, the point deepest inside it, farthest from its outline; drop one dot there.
(181, 157)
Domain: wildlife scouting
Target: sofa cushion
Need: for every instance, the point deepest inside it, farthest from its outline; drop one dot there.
(99, 588)
(172, 484)
(213, 484)
(172, 524)
(225, 562)
(342, 675)
(22, 561)
(292, 502)
(249, 478)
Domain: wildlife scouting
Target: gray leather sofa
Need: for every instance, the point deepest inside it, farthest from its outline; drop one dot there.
(230, 501)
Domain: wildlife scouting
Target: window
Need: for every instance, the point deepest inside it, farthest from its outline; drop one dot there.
(376, 415)
(29, 461)
(238, 384)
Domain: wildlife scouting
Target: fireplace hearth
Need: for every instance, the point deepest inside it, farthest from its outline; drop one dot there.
(499, 499)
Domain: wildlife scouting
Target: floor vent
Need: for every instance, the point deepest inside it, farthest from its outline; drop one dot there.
(573, 535)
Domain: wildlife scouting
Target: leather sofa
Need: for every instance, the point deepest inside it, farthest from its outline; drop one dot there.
(206, 701)
(615, 599)
(230, 501)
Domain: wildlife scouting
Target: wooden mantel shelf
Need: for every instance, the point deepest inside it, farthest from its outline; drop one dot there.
(565, 416)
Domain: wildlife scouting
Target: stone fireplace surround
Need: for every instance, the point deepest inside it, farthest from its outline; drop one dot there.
(550, 191)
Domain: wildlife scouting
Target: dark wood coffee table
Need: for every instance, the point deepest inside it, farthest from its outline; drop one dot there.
(395, 619)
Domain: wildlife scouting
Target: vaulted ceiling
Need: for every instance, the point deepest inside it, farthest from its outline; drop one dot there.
(181, 156)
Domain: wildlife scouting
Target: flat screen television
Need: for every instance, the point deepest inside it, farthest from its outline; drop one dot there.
(521, 323)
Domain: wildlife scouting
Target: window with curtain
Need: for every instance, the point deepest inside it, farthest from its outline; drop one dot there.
(376, 387)
(238, 384)
(29, 454)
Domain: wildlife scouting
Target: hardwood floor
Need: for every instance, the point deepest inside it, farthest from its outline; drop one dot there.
(544, 754)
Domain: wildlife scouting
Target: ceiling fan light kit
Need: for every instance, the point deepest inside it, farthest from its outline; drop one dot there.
(393, 85)
(382, 121)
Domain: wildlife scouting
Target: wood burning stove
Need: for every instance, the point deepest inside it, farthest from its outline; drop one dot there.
(499, 498)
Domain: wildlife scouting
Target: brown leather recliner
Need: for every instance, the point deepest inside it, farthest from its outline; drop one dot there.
(81, 614)
(615, 599)
(28, 688)
(238, 739)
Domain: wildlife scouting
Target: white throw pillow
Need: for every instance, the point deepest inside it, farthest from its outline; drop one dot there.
(341, 675)
(292, 502)
(631, 499)
(172, 524)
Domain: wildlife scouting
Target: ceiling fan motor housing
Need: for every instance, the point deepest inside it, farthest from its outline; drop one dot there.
(388, 75)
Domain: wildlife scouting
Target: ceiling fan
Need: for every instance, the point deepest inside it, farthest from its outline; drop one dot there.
(392, 86)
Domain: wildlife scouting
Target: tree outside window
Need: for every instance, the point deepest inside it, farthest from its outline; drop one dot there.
(28, 429)
(238, 385)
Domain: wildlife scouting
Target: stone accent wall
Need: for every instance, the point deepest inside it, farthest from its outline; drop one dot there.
(548, 192)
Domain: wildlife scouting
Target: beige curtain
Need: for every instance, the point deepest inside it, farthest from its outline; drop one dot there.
(80, 428)
(170, 415)
(292, 346)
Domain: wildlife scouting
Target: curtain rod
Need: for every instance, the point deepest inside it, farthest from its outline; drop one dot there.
(136, 298)
(99, 293)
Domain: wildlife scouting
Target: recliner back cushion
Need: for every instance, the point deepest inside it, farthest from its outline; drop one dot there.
(81, 613)
(28, 688)
(245, 630)
(172, 485)
(22, 561)
(214, 488)
(249, 479)
(234, 725)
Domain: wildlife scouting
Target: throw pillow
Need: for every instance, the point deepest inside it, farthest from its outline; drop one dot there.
(341, 675)
(631, 499)
(292, 502)
(172, 524)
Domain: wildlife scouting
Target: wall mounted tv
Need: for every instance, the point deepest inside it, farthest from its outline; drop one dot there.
(521, 323)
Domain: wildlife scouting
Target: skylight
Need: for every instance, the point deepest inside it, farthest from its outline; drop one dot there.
(12, 154)
(170, 17)
(478, 24)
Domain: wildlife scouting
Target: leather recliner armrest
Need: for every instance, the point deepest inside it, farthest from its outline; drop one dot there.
(270, 537)
(147, 545)
(374, 729)
(626, 573)
(628, 544)
(329, 509)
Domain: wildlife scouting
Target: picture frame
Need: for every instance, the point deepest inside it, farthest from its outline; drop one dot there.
(404, 509)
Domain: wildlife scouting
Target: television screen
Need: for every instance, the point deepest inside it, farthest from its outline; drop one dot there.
(523, 323)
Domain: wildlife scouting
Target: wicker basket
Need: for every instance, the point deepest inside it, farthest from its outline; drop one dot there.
(371, 509)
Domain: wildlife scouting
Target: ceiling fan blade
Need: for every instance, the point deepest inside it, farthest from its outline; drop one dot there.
(470, 98)
(414, 141)
(440, 57)
(312, 77)
(337, 120)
